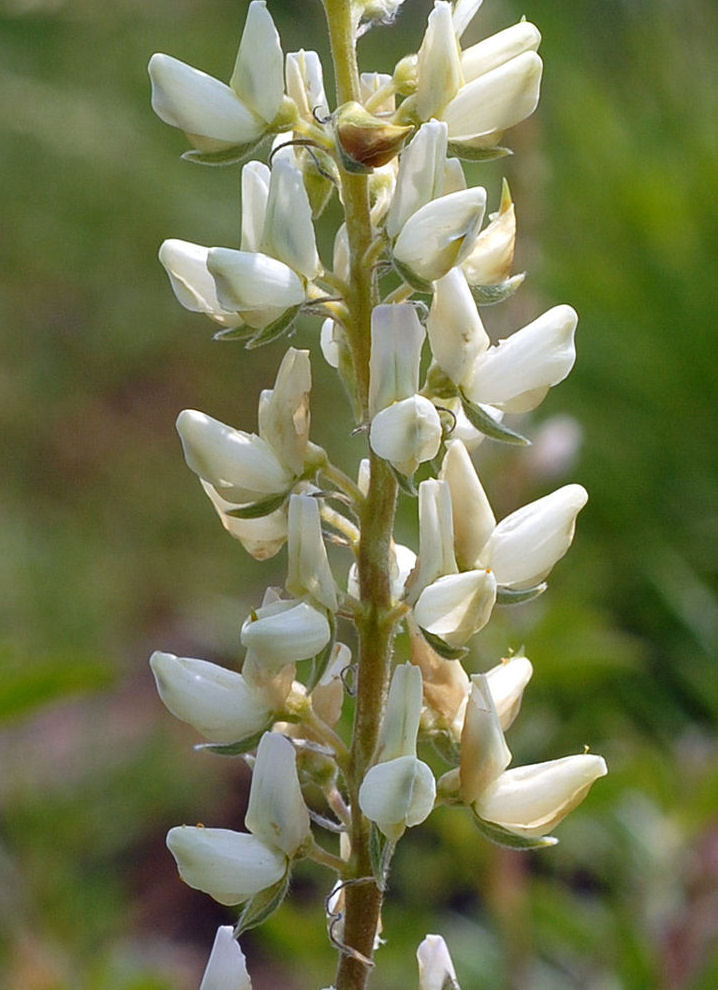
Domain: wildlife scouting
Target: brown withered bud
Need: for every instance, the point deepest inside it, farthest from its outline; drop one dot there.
(364, 141)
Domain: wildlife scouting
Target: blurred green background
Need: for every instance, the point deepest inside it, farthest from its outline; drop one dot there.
(109, 549)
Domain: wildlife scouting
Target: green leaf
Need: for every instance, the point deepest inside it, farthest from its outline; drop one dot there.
(275, 330)
(515, 596)
(442, 648)
(262, 905)
(233, 749)
(487, 425)
(470, 153)
(258, 509)
(489, 295)
(501, 836)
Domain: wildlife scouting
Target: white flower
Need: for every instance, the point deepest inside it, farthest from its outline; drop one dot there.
(436, 970)
(506, 682)
(276, 812)
(288, 232)
(421, 174)
(522, 549)
(215, 701)
(229, 866)
(397, 794)
(439, 235)
(255, 286)
(217, 117)
(399, 790)
(231, 287)
(406, 433)
(482, 91)
(484, 753)
(517, 373)
(241, 467)
(456, 606)
(530, 801)
(492, 255)
(284, 632)
(513, 375)
(226, 967)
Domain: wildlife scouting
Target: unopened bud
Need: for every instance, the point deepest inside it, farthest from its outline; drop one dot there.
(365, 141)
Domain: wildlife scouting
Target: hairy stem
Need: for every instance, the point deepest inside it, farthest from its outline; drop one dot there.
(375, 621)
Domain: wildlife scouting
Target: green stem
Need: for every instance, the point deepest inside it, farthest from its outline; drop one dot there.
(375, 621)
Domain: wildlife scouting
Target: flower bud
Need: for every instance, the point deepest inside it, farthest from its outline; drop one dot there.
(217, 702)
(531, 800)
(276, 812)
(397, 337)
(226, 967)
(308, 571)
(285, 632)
(229, 866)
(527, 543)
(457, 606)
(439, 235)
(436, 970)
(407, 433)
(365, 141)
(240, 466)
(518, 372)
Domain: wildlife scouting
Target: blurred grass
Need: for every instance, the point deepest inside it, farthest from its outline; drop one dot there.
(109, 549)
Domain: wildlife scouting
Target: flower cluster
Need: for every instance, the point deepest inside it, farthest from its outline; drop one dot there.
(426, 384)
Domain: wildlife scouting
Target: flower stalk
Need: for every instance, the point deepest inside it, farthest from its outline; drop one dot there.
(411, 228)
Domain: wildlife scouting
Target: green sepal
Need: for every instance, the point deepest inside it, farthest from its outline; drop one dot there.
(258, 509)
(241, 332)
(275, 330)
(404, 481)
(501, 836)
(262, 905)
(470, 153)
(489, 426)
(321, 660)
(441, 647)
(377, 847)
(515, 596)
(233, 749)
(490, 295)
(235, 155)
(412, 280)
